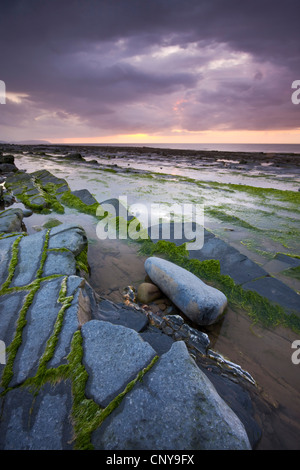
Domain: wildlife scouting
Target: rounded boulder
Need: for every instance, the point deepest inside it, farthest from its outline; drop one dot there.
(202, 304)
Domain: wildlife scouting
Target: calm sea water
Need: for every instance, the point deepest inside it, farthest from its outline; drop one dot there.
(266, 148)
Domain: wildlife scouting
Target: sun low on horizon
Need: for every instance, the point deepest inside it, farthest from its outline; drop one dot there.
(210, 137)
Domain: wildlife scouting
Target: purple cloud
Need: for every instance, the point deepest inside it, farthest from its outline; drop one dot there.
(99, 68)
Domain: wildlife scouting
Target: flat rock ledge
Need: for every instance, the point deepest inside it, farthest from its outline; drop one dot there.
(73, 379)
(175, 407)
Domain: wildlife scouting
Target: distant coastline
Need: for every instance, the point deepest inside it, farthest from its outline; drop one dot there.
(265, 148)
(236, 148)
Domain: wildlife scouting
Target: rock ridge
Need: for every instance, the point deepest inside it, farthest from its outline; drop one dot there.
(56, 348)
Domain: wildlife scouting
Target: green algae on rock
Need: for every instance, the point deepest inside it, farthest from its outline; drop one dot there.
(260, 309)
(73, 201)
(33, 190)
(52, 223)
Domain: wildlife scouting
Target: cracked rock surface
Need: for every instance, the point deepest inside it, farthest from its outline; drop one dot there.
(73, 379)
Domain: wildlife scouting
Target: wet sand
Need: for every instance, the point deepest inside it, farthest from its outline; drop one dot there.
(266, 354)
(241, 167)
(114, 265)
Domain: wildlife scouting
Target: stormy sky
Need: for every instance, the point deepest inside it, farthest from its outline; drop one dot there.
(175, 69)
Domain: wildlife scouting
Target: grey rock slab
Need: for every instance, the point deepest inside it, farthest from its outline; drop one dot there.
(233, 263)
(239, 400)
(10, 306)
(39, 201)
(17, 190)
(113, 356)
(45, 177)
(40, 317)
(69, 326)
(39, 422)
(70, 236)
(73, 284)
(31, 191)
(8, 167)
(175, 407)
(27, 212)
(8, 199)
(85, 196)
(18, 178)
(29, 259)
(290, 260)
(160, 342)
(276, 291)
(5, 256)
(115, 207)
(243, 271)
(62, 189)
(178, 232)
(120, 314)
(78, 288)
(11, 220)
(59, 263)
(202, 304)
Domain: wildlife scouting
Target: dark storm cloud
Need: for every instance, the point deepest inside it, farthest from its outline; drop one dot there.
(149, 66)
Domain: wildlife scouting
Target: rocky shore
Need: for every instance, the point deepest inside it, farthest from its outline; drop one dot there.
(68, 350)
(83, 372)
